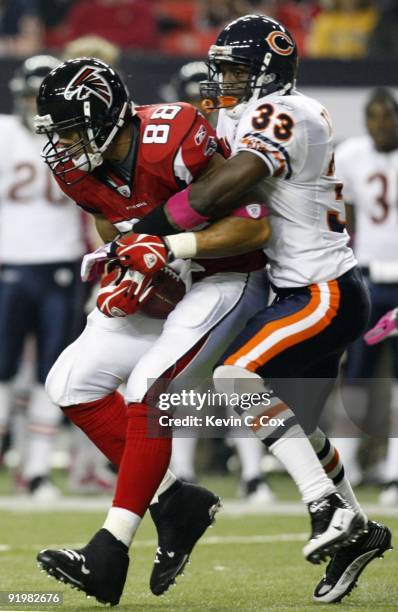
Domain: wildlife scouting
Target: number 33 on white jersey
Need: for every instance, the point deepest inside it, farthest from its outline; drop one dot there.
(292, 134)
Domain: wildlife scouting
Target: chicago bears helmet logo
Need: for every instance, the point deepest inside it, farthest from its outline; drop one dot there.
(89, 82)
(280, 42)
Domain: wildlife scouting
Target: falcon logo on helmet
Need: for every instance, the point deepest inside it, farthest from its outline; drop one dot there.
(88, 99)
(88, 81)
(280, 43)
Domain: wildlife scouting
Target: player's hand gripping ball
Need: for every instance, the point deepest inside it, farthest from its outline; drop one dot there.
(123, 291)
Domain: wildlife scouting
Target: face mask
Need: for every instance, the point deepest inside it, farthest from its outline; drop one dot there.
(87, 162)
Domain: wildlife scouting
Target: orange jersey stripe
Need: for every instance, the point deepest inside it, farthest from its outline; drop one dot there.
(305, 334)
(289, 320)
(269, 328)
(300, 336)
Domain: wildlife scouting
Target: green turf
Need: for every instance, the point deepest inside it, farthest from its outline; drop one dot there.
(225, 486)
(222, 576)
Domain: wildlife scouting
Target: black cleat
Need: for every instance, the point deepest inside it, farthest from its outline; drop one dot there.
(99, 569)
(334, 524)
(347, 564)
(181, 516)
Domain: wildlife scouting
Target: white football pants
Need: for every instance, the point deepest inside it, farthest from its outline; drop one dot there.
(138, 349)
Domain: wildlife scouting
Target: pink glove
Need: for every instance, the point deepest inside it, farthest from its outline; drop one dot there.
(385, 327)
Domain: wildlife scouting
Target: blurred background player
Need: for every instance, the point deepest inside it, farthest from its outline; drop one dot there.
(184, 84)
(39, 274)
(93, 46)
(368, 166)
(185, 87)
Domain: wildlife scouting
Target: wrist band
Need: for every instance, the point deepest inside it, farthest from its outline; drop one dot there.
(156, 223)
(182, 246)
(181, 212)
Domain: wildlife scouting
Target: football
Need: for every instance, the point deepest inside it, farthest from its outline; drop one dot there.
(169, 290)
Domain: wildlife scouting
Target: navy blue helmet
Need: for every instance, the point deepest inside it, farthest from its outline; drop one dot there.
(263, 45)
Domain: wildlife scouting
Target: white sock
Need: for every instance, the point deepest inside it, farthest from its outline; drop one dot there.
(300, 460)
(328, 455)
(183, 457)
(351, 407)
(281, 433)
(82, 463)
(122, 524)
(168, 480)
(391, 461)
(19, 433)
(250, 451)
(348, 451)
(43, 420)
(5, 406)
(391, 464)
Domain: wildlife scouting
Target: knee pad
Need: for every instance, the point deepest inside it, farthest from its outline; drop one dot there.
(233, 379)
(57, 381)
(239, 383)
(71, 380)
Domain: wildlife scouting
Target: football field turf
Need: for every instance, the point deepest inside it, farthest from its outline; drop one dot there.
(246, 562)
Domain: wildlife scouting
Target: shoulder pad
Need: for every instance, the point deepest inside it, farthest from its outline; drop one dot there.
(163, 129)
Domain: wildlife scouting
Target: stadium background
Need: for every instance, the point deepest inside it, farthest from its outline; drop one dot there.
(268, 571)
(341, 85)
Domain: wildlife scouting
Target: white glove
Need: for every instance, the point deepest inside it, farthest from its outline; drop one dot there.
(93, 264)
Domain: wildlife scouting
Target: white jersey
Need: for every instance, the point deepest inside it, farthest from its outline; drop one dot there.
(292, 134)
(38, 223)
(371, 184)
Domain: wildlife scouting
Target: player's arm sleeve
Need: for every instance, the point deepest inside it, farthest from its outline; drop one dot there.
(275, 136)
(344, 159)
(225, 190)
(271, 141)
(196, 150)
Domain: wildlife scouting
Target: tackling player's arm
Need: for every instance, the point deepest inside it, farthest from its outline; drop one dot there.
(220, 185)
(209, 178)
(228, 185)
(224, 238)
(224, 186)
(230, 236)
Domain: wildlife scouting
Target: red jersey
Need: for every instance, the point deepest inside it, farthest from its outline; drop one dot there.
(174, 144)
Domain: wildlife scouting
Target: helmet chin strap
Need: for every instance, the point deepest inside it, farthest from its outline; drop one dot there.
(87, 162)
(119, 124)
(256, 86)
(236, 112)
(270, 79)
(90, 161)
